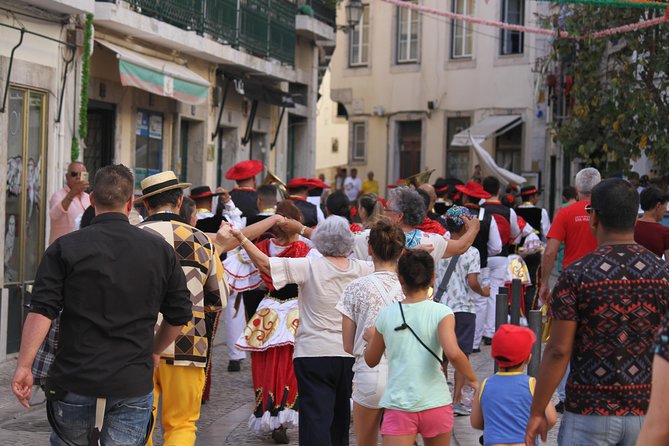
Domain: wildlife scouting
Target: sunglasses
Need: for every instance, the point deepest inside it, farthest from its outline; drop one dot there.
(74, 174)
(589, 209)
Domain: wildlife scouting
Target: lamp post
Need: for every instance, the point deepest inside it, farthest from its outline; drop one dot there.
(354, 10)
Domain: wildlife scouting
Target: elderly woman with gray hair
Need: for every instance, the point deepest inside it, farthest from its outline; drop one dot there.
(407, 208)
(322, 368)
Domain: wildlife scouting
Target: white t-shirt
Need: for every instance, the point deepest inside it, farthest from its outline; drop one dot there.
(352, 187)
(458, 296)
(361, 302)
(321, 285)
(438, 242)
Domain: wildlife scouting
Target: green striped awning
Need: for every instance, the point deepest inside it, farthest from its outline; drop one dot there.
(159, 76)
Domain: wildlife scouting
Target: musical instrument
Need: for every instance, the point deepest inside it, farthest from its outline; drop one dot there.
(278, 182)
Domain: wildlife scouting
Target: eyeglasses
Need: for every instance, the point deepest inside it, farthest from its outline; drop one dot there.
(589, 209)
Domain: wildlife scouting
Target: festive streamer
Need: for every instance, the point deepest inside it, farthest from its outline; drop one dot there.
(528, 29)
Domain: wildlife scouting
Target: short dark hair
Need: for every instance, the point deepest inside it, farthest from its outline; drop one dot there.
(187, 209)
(569, 193)
(167, 198)
(386, 240)
(113, 186)
(491, 185)
(425, 196)
(338, 204)
(651, 196)
(616, 202)
(416, 268)
(267, 193)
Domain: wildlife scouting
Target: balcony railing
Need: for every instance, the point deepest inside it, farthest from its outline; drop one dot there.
(265, 28)
(324, 10)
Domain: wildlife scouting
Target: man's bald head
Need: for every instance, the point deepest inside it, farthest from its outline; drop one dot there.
(429, 189)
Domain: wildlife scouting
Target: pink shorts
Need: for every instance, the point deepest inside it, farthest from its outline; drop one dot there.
(429, 423)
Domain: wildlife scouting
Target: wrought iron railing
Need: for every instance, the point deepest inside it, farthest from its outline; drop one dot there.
(324, 10)
(265, 28)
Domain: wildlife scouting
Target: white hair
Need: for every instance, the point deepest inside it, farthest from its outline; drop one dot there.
(586, 180)
(333, 237)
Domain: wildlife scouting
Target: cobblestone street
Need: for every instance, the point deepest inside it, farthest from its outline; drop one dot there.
(223, 420)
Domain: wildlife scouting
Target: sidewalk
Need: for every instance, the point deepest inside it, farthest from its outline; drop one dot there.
(223, 419)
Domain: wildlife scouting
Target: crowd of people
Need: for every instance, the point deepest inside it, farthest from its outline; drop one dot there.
(345, 301)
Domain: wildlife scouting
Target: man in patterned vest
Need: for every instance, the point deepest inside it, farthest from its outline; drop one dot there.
(180, 377)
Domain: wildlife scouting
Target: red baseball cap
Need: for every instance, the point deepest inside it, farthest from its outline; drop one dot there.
(512, 345)
(473, 189)
(243, 170)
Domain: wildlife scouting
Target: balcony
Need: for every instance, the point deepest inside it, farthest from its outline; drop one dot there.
(324, 10)
(264, 28)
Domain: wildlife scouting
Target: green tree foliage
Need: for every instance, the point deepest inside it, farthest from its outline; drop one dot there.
(618, 104)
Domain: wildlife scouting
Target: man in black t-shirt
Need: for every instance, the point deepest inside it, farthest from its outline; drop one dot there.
(111, 280)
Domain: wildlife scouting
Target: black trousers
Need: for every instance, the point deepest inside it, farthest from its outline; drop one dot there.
(324, 385)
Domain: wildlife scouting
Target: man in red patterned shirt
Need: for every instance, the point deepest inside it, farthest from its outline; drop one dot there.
(605, 309)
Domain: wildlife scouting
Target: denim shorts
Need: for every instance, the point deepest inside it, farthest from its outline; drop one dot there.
(127, 421)
(598, 430)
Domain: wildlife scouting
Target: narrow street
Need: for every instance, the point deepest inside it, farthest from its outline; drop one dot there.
(223, 420)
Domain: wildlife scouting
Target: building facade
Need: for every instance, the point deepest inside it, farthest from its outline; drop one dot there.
(189, 86)
(415, 86)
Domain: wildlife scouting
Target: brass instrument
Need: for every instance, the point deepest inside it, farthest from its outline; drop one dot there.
(273, 179)
(418, 179)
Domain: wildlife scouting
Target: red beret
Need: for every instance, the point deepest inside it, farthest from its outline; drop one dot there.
(473, 189)
(298, 183)
(316, 183)
(243, 170)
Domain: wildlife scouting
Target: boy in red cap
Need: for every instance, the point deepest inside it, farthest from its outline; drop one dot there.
(501, 406)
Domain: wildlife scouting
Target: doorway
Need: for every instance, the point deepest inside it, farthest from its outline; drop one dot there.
(25, 203)
(409, 139)
(99, 151)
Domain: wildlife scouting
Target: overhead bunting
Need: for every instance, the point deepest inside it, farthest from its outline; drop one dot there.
(528, 29)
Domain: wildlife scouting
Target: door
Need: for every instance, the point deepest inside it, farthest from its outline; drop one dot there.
(181, 161)
(99, 151)
(25, 203)
(409, 138)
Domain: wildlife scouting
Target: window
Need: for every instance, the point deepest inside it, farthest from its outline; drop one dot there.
(508, 150)
(462, 32)
(457, 158)
(359, 42)
(408, 35)
(358, 141)
(148, 145)
(513, 12)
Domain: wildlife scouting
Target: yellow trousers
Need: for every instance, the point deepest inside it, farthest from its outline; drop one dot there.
(181, 392)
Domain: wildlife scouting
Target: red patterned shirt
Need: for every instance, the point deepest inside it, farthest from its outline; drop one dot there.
(617, 295)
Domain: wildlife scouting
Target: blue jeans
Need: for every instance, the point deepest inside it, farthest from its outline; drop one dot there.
(598, 430)
(126, 423)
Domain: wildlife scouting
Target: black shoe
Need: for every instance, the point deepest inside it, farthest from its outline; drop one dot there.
(234, 365)
(476, 350)
(280, 435)
(486, 340)
(559, 407)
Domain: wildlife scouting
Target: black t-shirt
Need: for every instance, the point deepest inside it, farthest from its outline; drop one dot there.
(110, 279)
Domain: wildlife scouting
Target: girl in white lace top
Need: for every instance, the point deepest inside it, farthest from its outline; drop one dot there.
(360, 304)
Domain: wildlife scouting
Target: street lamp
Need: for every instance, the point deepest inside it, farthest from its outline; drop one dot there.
(354, 11)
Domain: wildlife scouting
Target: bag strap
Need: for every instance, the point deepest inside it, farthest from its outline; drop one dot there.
(405, 325)
(385, 295)
(443, 285)
(94, 437)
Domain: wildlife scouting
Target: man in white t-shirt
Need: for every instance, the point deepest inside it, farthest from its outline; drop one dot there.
(352, 186)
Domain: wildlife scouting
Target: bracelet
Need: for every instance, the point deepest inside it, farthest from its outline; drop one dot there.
(243, 242)
(304, 228)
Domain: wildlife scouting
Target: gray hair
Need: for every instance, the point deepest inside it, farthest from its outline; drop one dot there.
(586, 180)
(333, 237)
(410, 203)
